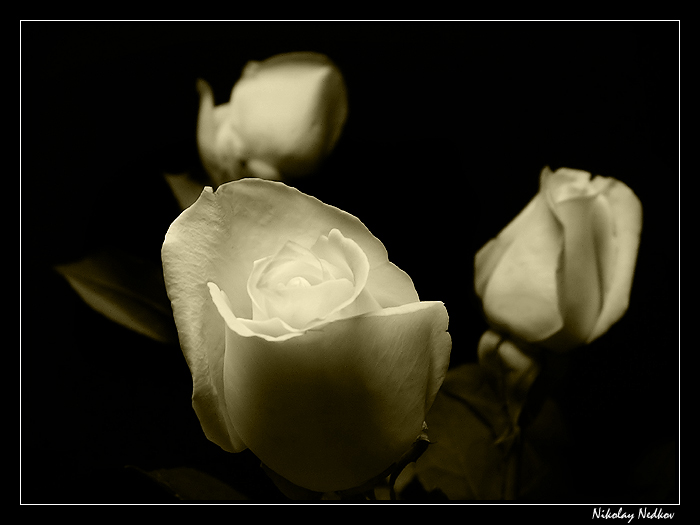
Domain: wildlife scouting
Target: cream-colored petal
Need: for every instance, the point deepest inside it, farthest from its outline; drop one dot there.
(274, 329)
(521, 294)
(261, 169)
(332, 250)
(579, 281)
(566, 184)
(626, 211)
(604, 236)
(218, 144)
(293, 260)
(338, 405)
(229, 149)
(488, 257)
(259, 307)
(201, 330)
(390, 286)
(299, 306)
(364, 303)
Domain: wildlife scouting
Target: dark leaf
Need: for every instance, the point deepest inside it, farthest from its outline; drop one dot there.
(185, 188)
(471, 454)
(127, 290)
(189, 484)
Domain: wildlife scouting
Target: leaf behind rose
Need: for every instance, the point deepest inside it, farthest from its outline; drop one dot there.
(185, 188)
(128, 290)
(476, 454)
(471, 433)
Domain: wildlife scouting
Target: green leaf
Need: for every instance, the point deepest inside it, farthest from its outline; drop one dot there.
(125, 289)
(472, 455)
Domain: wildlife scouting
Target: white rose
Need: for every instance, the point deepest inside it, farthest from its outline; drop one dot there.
(305, 343)
(284, 117)
(561, 272)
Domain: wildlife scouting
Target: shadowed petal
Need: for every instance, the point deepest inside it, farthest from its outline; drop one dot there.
(333, 408)
(626, 211)
(522, 294)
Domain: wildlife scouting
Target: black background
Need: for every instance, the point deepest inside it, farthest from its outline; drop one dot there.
(448, 129)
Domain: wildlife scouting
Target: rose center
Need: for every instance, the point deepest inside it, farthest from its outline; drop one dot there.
(298, 282)
(300, 285)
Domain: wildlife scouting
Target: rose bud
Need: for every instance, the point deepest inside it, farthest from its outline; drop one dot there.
(284, 117)
(560, 274)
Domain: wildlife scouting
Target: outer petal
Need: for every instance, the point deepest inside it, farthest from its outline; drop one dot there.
(219, 146)
(217, 239)
(337, 406)
(626, 211)
(488, 257)
(580, 281)
(520, 293)
(186, 268)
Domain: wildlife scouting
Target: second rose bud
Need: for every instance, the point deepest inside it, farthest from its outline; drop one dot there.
(284, 117)
(560, 274)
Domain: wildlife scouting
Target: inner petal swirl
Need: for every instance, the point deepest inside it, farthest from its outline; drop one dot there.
(301, 286)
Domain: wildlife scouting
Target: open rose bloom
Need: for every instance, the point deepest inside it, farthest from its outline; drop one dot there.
(560, 274)
(305, 343)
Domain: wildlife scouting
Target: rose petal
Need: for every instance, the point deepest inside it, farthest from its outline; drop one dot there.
(603, 227)
(520, 294)
(298, 307)
(567, 184)
(580, 284)
(274, 329)
(200, 328)
(626, 211)
(219, 146)
(293, 260)
(389, 285)
(335, 250)
(335, 407)
(488, 257)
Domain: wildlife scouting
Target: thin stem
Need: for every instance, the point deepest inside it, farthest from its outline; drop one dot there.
(510, 489)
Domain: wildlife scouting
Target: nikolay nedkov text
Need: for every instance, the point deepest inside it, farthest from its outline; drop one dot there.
(629, 516)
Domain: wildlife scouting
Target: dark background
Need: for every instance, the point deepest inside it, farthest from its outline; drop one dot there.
(448, 129)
